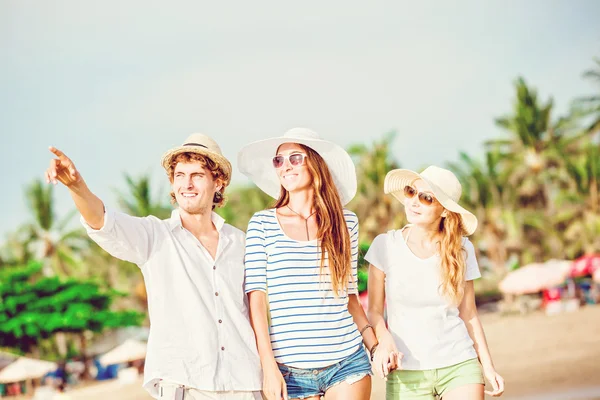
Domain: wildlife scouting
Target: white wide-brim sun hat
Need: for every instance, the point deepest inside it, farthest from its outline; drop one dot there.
(255, 160)
(443, 183)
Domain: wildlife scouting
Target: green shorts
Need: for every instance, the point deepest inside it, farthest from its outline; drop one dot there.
(427, 384)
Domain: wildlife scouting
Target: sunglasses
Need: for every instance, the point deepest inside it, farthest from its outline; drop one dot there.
(295, 159)
(424, 198)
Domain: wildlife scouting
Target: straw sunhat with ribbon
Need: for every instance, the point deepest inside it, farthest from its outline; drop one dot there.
(255, 161)
(443, 183)
(203, 145)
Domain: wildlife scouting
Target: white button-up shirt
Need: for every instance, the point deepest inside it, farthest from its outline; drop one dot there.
(200, 333)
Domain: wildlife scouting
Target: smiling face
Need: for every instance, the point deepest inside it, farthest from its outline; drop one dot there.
(418, 213)
(194, 187)
(293, 178)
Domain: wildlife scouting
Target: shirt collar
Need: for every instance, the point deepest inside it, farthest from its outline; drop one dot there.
(175, 220)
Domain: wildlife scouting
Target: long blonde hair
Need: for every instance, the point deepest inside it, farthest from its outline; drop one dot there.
(332, 234)
(453, 257)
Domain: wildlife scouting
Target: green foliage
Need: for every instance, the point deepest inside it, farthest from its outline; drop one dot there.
(363, 267)
(46, 237)
(138, 200)
(377, 212)
(242, 203)
(33, 307)
(535, 192)
(588, 107)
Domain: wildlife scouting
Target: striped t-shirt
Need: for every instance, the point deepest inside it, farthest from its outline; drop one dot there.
(310, 327)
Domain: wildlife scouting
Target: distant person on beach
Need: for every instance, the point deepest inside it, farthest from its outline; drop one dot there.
(301, 276)
(425, 272)
(201, 343)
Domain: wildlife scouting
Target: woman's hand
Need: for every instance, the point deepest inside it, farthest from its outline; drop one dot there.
(495, 380)
(386, 357)
(274, 387)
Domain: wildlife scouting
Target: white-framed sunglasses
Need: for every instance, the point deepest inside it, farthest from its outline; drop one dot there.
(295, 159)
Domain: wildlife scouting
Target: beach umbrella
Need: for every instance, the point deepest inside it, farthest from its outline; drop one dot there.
(534, 278)
(24, 368)
(585, 265)
(130, 350)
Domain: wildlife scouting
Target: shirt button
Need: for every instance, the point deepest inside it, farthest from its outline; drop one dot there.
(220, 321)
(214, 267)
(222, 348)
(216, 293)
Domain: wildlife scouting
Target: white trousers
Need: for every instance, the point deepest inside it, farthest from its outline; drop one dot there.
(173, 391)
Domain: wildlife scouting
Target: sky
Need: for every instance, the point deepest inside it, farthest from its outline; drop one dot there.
(115, 84)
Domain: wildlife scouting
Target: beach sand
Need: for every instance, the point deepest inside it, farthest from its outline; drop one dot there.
(539, 356)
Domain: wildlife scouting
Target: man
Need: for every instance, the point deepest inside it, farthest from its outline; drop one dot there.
(201, 344)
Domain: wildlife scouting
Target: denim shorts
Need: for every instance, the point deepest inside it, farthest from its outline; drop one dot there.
(302, 383)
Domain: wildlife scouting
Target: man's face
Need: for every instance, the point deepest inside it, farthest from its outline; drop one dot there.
(194, 187)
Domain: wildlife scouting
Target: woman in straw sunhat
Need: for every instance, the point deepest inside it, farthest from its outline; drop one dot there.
(301, 259)
(435, 341)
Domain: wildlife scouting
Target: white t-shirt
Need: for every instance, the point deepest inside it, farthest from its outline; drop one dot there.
(426, 327)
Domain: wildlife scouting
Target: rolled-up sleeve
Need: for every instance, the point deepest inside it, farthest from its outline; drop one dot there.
(123, 236)
(255, 260)
(472, 266)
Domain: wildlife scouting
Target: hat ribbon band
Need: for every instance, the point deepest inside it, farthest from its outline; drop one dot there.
(195, 144)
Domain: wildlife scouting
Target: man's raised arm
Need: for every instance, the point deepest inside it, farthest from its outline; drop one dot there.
(63, 170)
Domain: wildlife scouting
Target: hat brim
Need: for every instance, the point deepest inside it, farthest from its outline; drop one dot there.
(222, 162)
(396, 180)
(255, 161)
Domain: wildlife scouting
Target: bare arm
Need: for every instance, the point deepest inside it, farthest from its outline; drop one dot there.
(386, 357)
(376, 285)
(274, 386)
(468, 313)
(360, 319)
(258, 320)
(63, 170)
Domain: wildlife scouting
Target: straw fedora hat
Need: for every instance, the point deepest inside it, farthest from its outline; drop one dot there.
(204, 145)
(444, 185)
(255, 161)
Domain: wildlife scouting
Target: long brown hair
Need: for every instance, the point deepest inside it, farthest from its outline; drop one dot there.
(332, 234)
(453, 257)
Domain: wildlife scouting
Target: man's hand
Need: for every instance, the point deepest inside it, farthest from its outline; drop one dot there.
(62, 169)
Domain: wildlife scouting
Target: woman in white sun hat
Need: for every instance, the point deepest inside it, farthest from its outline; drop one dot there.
(435, 342)
(301, 277)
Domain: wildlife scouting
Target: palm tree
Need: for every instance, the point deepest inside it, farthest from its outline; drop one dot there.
(48, 238)
(589, 106)
(15, 250)
(533, 161)
(242, 203)
(580, 203)
(485, 194)
(526, 154)
(377, 213)
(139, 202)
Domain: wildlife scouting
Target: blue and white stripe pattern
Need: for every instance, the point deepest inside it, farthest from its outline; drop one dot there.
(310, 327)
